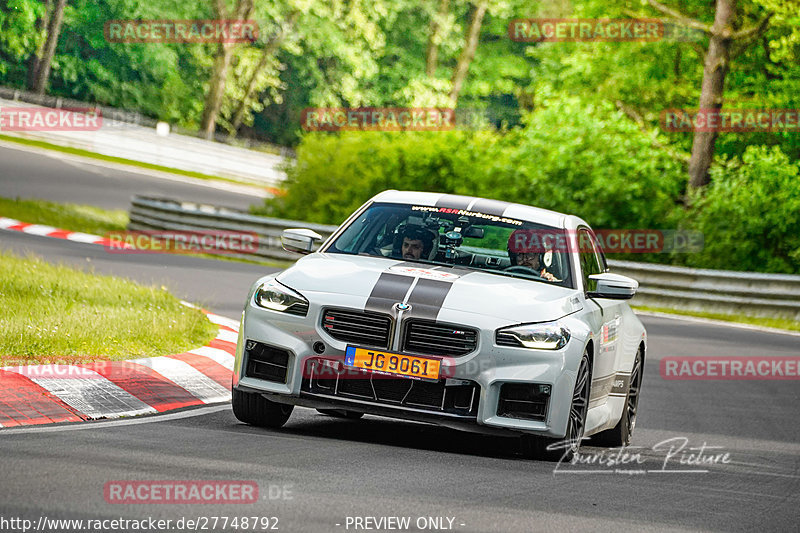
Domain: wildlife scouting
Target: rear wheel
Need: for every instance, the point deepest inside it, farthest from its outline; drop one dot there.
(253, 408)
(341, 413)
(549, 449)
(620, 435)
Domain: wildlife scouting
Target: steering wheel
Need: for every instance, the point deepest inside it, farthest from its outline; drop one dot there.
(522, 269)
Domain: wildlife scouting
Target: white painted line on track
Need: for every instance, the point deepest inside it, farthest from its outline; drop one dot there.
(187, 377)
(83, 237)
(82, 426)
(223, 321)
(220, 356)
(92, 395)
(8, 222)
(38, 229)
(228, 336)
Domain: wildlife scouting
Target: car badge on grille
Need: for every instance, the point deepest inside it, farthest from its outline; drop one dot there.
(400, 306)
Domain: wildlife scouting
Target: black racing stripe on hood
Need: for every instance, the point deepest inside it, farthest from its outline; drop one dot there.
(388, 290)
(452, 201)
(427, 298)
(490, 207)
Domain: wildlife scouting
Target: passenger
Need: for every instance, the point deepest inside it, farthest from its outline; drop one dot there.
(533, 259)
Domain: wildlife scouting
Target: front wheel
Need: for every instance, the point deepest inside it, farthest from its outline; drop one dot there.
(620, 435)
(548, 449)
(252, 408)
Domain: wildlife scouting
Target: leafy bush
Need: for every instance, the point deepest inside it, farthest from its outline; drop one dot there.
(750, 214)
(592, 161)
(335, 174)
(571, 157)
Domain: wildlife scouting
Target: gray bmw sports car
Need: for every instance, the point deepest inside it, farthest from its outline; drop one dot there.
(470, 313)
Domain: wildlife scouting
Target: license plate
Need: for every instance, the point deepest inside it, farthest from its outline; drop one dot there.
(392, 363)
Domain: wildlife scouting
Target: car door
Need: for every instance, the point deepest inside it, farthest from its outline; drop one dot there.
(604, 317)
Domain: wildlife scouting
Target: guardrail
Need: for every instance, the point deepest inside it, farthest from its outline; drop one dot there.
(692, 289)
(721, 291)
(148, 213)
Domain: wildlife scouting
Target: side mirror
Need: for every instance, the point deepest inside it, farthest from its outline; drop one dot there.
(613, 286)
(299, 240)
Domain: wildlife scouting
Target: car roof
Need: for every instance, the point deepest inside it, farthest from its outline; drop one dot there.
(482, 205)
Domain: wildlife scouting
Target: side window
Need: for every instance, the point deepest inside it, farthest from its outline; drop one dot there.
(588, 259)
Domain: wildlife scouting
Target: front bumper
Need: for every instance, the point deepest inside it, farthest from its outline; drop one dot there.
(469, 398)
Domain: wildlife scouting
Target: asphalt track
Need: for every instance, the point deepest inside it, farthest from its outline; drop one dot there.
(375, 467)
(47, 175)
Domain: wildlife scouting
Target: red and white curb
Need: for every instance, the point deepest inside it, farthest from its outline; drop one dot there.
(46, 394)
(11, 224)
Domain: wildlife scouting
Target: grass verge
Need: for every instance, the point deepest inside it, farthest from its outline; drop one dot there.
(778, 323)
(56, 314)
(130, 162)
(73, 217)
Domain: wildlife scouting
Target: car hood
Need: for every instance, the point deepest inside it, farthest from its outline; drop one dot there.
(380, 283)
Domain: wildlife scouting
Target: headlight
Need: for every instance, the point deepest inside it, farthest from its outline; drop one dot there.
(550, 336)
(276, 297)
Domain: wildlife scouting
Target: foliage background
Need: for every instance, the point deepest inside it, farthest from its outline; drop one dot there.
(569, 126)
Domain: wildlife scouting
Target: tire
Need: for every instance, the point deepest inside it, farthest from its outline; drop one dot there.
(620, 435)
(341, 413)
(564, 449)
(252, 408)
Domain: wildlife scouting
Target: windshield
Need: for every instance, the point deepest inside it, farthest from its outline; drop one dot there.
(458, 238)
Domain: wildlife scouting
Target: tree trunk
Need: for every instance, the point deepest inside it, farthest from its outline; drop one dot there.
(269, 51)
(53, 29)
(36, 58)
(468, 52)
(432, 55)
(222, 61)
(216, 90)
(712, 91)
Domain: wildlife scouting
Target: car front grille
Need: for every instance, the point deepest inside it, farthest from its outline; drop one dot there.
(326, 377)
(357, 327)
(427, 337)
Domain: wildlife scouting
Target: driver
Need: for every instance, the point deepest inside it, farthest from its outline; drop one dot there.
(417, 243)
(523, 253)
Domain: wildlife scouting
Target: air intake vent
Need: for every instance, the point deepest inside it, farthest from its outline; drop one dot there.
(266, 362)
(357, 327)
(527, 401)
(430, 338)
